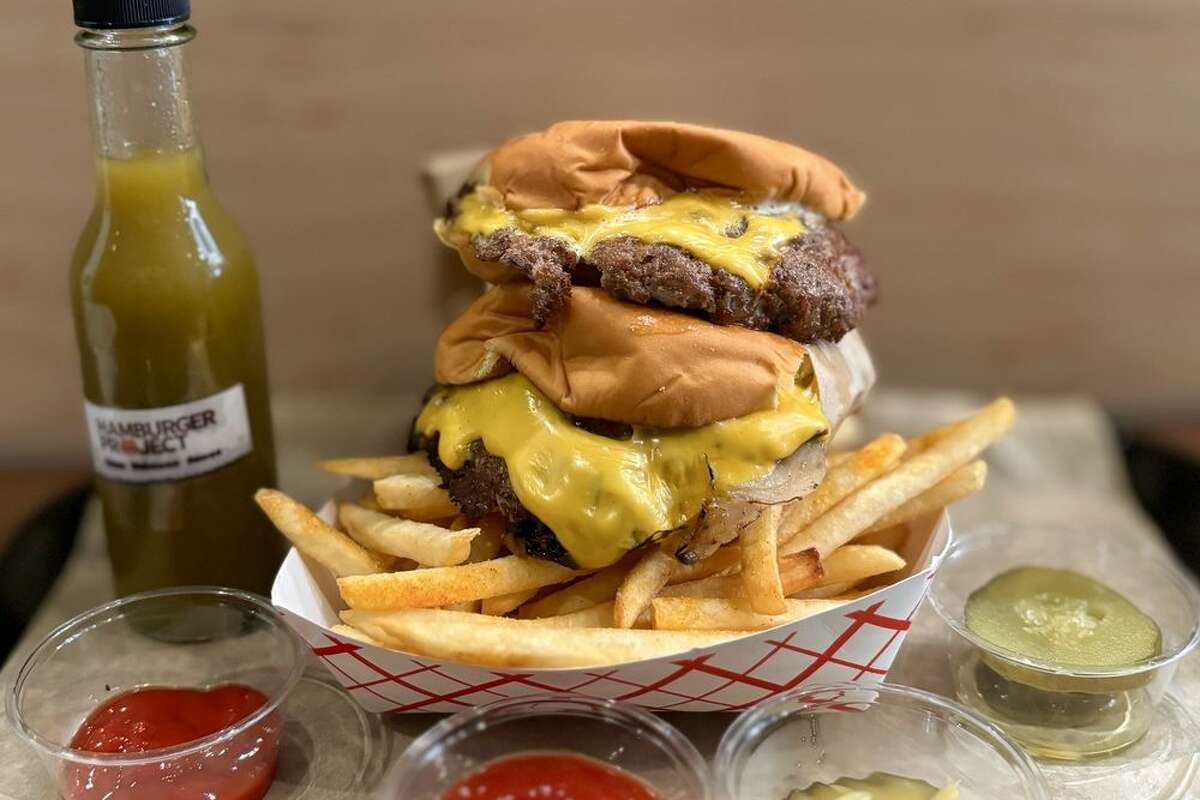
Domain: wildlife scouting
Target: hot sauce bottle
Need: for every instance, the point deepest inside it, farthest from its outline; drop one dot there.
(164, 291)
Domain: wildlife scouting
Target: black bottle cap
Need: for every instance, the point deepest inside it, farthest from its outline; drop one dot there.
(130, 13)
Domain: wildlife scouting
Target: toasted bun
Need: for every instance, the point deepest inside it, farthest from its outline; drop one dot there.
(573, 164)
(617, 361)
(622, 362)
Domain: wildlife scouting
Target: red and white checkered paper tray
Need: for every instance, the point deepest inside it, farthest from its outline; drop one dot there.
(854, 642)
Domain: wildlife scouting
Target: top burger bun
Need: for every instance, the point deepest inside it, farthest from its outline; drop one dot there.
(573, 164)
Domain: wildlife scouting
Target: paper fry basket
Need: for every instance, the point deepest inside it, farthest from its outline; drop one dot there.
(854, 642)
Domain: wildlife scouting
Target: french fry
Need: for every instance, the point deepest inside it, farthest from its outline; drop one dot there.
(857, 562)
(760, 563)
(800, 570)
(440, 586)
(369, 502)
(484, 547)
(597, 588)
(350, 616)
(350, 632)
(322, 543)
(507, 642)
(861, 510)
(648, 576)
(893, 538)
(725, 562)
(841, 480)
(467, 606)
(429, 545)
(960, 483)
(502, 604)
(922, 442)
(796, 572)
(825, 591)
(598, 616)
(418, 497)
(727, 559)
(919, 444)
(850, 568)
(374, 468)
(697, 613)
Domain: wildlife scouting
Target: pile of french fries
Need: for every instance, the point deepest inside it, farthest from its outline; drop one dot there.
(420, 578)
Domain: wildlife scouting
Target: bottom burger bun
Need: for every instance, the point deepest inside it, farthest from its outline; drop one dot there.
(617, 361)
(586, 488)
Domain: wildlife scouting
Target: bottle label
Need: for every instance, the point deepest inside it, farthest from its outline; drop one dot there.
(142, 445)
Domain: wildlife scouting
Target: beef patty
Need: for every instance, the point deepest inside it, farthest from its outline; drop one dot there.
(819, 288)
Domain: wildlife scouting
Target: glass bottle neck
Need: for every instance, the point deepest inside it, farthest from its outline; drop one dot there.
(138, 91)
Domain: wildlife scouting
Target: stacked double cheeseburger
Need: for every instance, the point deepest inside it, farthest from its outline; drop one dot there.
(669, 339)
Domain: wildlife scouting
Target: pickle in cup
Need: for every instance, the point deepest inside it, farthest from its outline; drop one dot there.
(1064, 638)
(1059, 616)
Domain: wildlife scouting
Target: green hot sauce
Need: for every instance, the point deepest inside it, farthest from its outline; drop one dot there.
(165, 297)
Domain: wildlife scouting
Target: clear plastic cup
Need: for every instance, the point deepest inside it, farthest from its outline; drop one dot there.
(615, 734)
(1056, 711)
(187, 637)
(823, 733)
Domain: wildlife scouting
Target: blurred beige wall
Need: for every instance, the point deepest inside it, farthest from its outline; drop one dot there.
(1033, 170)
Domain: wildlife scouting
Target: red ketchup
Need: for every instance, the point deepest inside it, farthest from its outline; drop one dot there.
(553, 776)
(240, 768)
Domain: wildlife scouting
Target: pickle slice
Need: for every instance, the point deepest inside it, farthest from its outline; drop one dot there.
(1064, 619)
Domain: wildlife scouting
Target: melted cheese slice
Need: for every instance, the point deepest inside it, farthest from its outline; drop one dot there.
(604, 496)
(696, 222)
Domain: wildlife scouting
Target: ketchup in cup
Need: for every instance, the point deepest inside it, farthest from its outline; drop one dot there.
(556, 776)
(550, 746)
(196, 711)
(153, 718)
